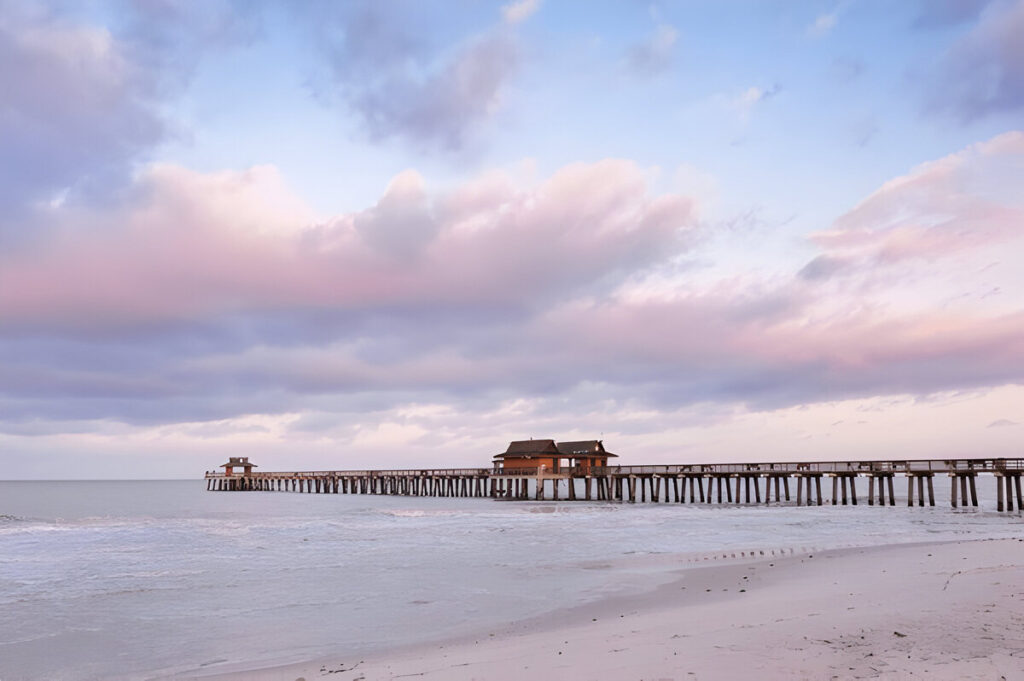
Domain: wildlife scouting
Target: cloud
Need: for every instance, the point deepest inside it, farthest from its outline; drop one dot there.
(760, 349)
(744, 103)
(847, 69)
(823, 24)
(402, 222)
(192, 246)
(753, 95)
(863, 130)
(943, 13)
(82, 102)
(518, 12)
(170, 37)
(823, 267)
(940, 209)
(399, 86)
(653, 55)
(445, 107)
(723, 347)
(982, 74)
(1002, 423)
(76, 110)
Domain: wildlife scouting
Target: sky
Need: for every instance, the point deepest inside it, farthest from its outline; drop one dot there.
(337, 235)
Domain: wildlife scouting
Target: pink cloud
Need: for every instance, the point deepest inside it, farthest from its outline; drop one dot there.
(497, 289)
(194, 245)
(943, 208)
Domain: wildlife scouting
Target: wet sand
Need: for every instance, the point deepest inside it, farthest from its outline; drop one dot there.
(937, 611)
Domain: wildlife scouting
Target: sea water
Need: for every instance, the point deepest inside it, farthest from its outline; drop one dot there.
(136, 580)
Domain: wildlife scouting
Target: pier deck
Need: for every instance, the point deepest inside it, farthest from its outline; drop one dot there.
(728, 483)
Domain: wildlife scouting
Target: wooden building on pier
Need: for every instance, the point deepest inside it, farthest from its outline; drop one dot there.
(528, 455)
(546, 456)
(238, 462)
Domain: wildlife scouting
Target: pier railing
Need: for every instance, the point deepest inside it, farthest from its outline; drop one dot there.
(768, 468)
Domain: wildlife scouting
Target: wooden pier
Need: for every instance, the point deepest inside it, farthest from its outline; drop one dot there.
(798, 483)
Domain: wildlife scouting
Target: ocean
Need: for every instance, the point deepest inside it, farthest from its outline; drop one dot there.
(147, 579)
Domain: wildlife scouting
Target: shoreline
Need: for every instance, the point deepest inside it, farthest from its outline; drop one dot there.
(937, 609)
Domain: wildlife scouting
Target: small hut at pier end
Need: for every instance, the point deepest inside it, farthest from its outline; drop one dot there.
(238, 462)
(546, 455)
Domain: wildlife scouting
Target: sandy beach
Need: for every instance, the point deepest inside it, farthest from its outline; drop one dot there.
(937, 611)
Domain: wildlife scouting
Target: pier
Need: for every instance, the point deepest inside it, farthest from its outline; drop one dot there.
(799, 483)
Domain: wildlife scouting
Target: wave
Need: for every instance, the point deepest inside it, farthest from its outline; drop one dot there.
(420, 513)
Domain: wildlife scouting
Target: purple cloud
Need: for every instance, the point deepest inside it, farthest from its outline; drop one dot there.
(823, 267)
(983, 73)
(400, 86)
(654, 54)
(444, 107)
(76, 110)
(81, 102)
(943, 13)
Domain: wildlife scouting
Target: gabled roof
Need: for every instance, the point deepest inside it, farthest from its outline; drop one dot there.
(529, 448)
(238, 462)
(583, 448)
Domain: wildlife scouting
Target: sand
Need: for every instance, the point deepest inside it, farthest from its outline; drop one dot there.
(931, 611)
